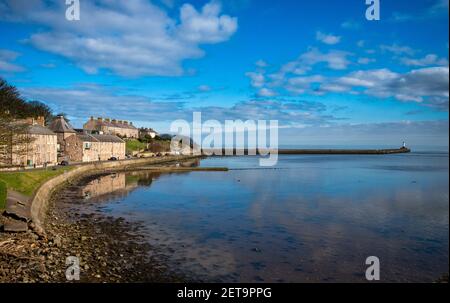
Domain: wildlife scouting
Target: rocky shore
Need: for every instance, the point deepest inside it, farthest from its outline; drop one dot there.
(109, 249)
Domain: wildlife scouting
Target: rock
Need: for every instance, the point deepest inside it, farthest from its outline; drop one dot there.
(39, 231)
(57, 241)
(15, 226)
(17, 210)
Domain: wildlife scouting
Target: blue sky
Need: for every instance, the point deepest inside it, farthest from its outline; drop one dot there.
(319, 67)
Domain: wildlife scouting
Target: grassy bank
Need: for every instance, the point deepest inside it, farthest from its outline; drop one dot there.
(26, 182)
(2, 194)
(134, 146)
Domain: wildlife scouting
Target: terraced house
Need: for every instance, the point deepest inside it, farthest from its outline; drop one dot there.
(41, 148)
(115, 127)
(84, 145)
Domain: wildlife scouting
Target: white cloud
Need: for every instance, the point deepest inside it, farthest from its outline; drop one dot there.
(428, 60)
(129, 38)
(300, 85)
(329, 39)
(336, 60)
(397, 49)
(426, 85)
(83, 101)
(257, 79)
(204, 88)
(364, 60)
(361, 43)
(6, 58)
(438, 9)
(261, 63)
(293, 77)
(266, 92)
(48, 65)
(207, 26)
(415, 133)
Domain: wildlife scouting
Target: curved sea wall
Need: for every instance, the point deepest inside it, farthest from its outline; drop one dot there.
(39, 202)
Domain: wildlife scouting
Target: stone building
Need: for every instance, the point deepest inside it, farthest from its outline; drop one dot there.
(119, 128)
(42, 148)
(63, 131)
(147, 132)
(85, 147)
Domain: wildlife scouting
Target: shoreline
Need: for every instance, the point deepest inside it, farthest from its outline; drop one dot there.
(110, 249)
(42, 195)
(105, 245)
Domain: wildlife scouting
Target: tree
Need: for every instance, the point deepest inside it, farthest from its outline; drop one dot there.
(39, 109)
(18, 107)
(10, 99)
(14, 139)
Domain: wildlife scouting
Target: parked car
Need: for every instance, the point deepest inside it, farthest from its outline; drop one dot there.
(113, 159)
(64, 163)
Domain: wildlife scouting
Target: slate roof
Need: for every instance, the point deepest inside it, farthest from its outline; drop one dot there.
(107, 138)
(39, 130)
(86, 138)
(60, 125)
(110, 123)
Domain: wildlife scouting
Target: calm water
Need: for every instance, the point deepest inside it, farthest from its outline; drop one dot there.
(310, 219)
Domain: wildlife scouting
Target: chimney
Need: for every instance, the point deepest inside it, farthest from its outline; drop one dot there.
(107, 120)
(40, 121)
(114, 121)
(92, 118)
(119, 121)
(125, 122)
(99, 119)
(131, 123)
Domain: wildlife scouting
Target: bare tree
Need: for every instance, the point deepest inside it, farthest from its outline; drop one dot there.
(14, 135)
(15, 140)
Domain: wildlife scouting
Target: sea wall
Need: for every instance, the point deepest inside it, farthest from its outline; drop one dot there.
(39, 202)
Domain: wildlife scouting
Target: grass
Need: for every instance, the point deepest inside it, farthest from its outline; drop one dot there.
(2, 195)
(135, 145)
(26, 182)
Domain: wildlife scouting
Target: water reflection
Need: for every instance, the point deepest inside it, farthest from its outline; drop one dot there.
(116, 185)
(310, 219)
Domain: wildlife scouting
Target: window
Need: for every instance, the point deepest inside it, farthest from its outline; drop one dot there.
(87, 145)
